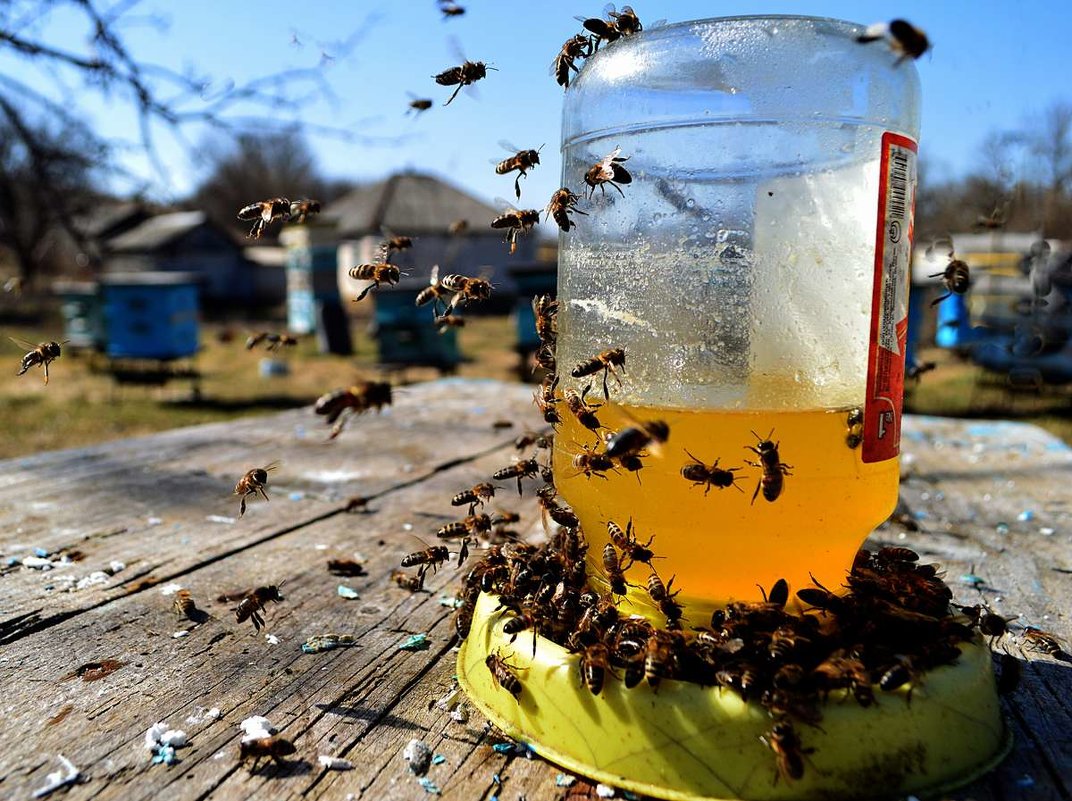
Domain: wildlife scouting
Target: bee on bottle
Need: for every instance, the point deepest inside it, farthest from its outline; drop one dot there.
(662, 596)
(601, 30)
(517, 223)
(608, 170)
(626, 21)
(579, 46)
(612, 566)
(904, 38)
(633, 440)
(378, 273)
(42, 354)
(545, 311)
(714, 476)
(594, 666)
(956, 277)
(563, 203)
(591, 463)
(608, 361)
(630, 547)
(580, 408)
(503, 673)
(253, 605)
(522, 161)
(546, 400)
(774, 469)
(251, 483)
(855, 424)
(264, 213)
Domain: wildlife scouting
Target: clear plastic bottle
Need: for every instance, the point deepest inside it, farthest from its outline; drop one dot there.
(755, 272)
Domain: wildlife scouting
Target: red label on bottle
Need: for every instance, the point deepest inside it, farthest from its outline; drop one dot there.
(889, 299)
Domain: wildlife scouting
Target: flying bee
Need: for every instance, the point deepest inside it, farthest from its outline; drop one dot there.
(445, 322)
(517, 222)
(408, 582)
(580, 408)
(606, 361)
(626, 21)
(783, 740)
(253, 482)
(608, 170)
(450, 9)
(472, 525)
(526, 468)
(503, 673)
(522, 161)
(530, 438)
(264, 213)
(42, 354)
(465, 289)
(301, 209)
(346, 567)
(579, 46)
(418, 104)
(630, 441)
(274, 747)
(714, 476)
(275, 341)
(458, 227)
(855, 424)
(474, 496)
(360, 398)
(564, 203)
(253, 605)
(613, 567)
(956, 277)
(468, 73)
(917, 369)
(904, 38)
(435, 291)
(378, 273)
(591, 463)
(995, 219)
(774, 469)
(630, 547)
(429, 558)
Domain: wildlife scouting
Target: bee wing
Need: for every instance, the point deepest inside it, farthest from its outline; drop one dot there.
(505, 206)
(509, 146)
(272, 465)
(22, 343)
(610, 11)
(434, 278)
(456, 50)
(251, 212)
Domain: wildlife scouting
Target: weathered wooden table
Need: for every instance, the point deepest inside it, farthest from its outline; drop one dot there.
(89, 663)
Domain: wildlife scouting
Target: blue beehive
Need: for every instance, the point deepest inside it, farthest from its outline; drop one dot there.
(405, 334)
(151, 315)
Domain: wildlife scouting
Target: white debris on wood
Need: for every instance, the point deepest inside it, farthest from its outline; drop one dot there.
(605, 791)
(460, 714)
(38, 563)
(59, 778)
(178, 634)
(162, 734)
(202, 715)
(230, 521)
(450, 700)
(335, 763)
(419, 757)
(256, 728)
(272, 639)
(170, 589)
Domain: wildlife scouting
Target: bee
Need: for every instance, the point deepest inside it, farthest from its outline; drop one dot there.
(904, 38)
(529, 438)
(264, 213)
(42, 354)
(916, 370)
(995, 219)
(474, 496)
(659, 657)
(579, 46)
(1043, 642)
(956, 277)
(602, 30)
(253, 482)
(505, 518)
(472, 525)
(275, 341)
(418, 104)
(608, 170)
(346, 567)
(627, 542)
(779, 594)
(13, 286)
(184, 605)
(714, 476)
(626, 21)
(855, 424)
(468, 73)
(360, 398)
(580, 408)
(445, 322)
(394, 244)
(546, 400)
(989, 623)
(662, 597)
(525, 468)
(301, 209)
(594, 666)
(518, 222)
(465, 289)
(591, 463)
(429, 558)
(450, 9)
(783, 740)
(408, 582)
(251, 607)
(458, 227)
(774, 469)
(563, 203)
(545, 310)
(435, 291)
(503, 674)
(522, 161)
(560, 514)
(606, 361)
(613, 568)
(274, 747)
(378, 273)
(630, 441)
(839, 671)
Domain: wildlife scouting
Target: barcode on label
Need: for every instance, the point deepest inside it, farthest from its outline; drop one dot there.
(898, 186)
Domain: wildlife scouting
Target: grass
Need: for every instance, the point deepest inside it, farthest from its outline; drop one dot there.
(82, 407)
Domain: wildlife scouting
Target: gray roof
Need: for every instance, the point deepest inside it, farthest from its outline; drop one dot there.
(407, 203)
(156, 232)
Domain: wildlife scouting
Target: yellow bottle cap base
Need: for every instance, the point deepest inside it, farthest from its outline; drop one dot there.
(685, 742)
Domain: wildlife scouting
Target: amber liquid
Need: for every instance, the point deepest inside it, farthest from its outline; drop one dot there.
(721, 544)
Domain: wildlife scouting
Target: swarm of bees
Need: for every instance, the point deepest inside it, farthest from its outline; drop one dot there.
(265, 212)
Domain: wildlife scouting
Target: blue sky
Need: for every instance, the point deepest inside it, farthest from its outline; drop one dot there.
(993, 64)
